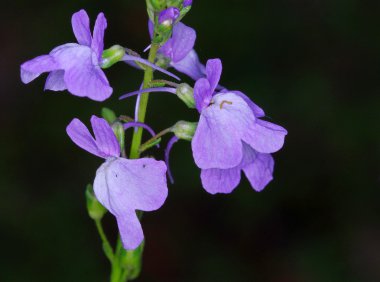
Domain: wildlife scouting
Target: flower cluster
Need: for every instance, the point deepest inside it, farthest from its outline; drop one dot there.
(230, 136)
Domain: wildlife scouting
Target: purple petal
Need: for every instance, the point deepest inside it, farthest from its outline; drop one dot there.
(81, 27)
(187, 3)
(98, 36)
(257, 111)
(55, 81)
(146, 62)
(217, 140)
(170, 14)
(32, 69)
(260, 172)
(265, 137)
(148, 90)
(80, 135)
(191, 66)
(83, 77)
(130, 229)
(122, 185)
(169, 147)
(202, 94)
(106, 140)
(183, 41)
(150, 28)
(214, 71)
(220, 180)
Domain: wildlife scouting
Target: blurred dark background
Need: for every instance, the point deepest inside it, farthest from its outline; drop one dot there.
(314, 66)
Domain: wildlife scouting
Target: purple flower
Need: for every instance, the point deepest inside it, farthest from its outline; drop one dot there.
(187, 3)
(179, 50)
(72, 66)
(121, 185)
(168, 16)
(230, 137)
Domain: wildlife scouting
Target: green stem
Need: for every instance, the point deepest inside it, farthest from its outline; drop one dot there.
(148, 143)
(148, 77)
(106, 245)
(119, 274)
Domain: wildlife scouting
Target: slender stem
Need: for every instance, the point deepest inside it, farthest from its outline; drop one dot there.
(118, 273)
(106, 244)
(117, 270)
(147, 144)
(148, 76)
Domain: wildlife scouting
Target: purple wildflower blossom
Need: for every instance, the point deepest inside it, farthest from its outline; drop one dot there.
(179, 49)
(72, 66)
(168, 16)
(230, 137)
(121, 185)
(187, 3)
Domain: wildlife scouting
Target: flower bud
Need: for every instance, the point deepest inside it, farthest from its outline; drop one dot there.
(186, 94)
(119, 131)
(166, 20)
(109, 115)
(112, 55)
(187, 3)
(95, 209)
(184, 130)
(168, 16)
(157, 5)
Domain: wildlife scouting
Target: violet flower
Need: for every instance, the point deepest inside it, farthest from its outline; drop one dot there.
(72, 66)
(168, 16)
(179, 50)
(121, 185)
(77, 67)
(230, 137)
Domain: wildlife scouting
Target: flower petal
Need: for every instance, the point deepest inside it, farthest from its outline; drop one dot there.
(122, 185)
(217, 140)
(97, 44)
(80, 135)
(202, 94)
(220, 180)
(83, 77)
(81, 27)
(183, 41)
(55, 81)
(260, 171)
(265, 137)
(32, 69)
(257, 111)
(105, 138)
(130, 229)
(214, 71)
(191, 66)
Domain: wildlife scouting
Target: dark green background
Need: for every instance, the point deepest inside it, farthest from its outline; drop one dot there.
(314, 66)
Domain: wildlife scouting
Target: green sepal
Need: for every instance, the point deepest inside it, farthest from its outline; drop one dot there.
(95, 209)
(112, 55)
(186, 94)
(109, 115)
(131, 261)
(184, 130)
(119, 131)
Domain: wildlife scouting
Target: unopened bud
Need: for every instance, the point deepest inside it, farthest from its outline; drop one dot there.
(168, 16)
(119, 131)
(112, 55)
(187, 3)
(95, 209)
(186, 94)
(184, 130)
(109, 115)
